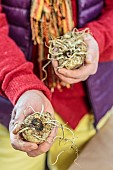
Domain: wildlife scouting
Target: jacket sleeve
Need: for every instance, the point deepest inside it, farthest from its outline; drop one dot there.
(102, 30)
(16, 74)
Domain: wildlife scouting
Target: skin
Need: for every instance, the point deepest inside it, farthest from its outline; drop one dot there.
(89, 68)
(35, 99)
(38, 98)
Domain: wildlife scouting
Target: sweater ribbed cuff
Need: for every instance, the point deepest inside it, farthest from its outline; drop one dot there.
(22, 83)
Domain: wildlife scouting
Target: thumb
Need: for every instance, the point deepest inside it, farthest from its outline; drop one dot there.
(55, 63)
(89, 59)
(16, 128)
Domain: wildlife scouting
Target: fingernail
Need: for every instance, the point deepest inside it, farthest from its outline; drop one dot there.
(58, 70)
(17, 127)
(33, 147)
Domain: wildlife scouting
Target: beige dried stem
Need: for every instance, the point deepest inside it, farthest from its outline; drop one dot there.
(37, 126)
(69, 50)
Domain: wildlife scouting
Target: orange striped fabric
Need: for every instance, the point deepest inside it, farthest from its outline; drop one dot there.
(49, 19)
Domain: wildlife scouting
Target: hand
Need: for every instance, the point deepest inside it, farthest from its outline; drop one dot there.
(35, 99)
(89, 68)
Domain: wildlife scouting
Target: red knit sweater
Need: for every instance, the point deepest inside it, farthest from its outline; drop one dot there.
(16, 75)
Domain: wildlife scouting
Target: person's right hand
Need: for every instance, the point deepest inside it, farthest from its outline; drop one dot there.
(89, 67)
(35, 99)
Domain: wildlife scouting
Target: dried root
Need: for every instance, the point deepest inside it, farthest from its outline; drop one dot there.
(64, 140)
(69, 50)
(37, 127)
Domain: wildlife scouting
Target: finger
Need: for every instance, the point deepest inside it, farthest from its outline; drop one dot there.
(85, 78)
(44, 147)
(16, 128)
(33, 153)
(68, 80)
(64, 73)
(21, 145)
(55, 66)
(54, 132)
(80, 73)
(93, 49)
(52, 135)
(55, 63)
(13, 114)
(92, 56)
(12, 121)
(89, 58)
(20, 115)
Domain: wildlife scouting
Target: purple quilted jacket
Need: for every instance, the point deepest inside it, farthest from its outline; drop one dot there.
(17, 13)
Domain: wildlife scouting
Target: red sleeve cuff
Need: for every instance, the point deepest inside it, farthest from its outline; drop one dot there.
(20, 80)
(23, 83)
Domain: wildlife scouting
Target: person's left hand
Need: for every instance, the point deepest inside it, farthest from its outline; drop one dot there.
(89, 68)
(29, 102)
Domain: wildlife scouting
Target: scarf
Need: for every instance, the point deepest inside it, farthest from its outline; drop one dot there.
(49, 19)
